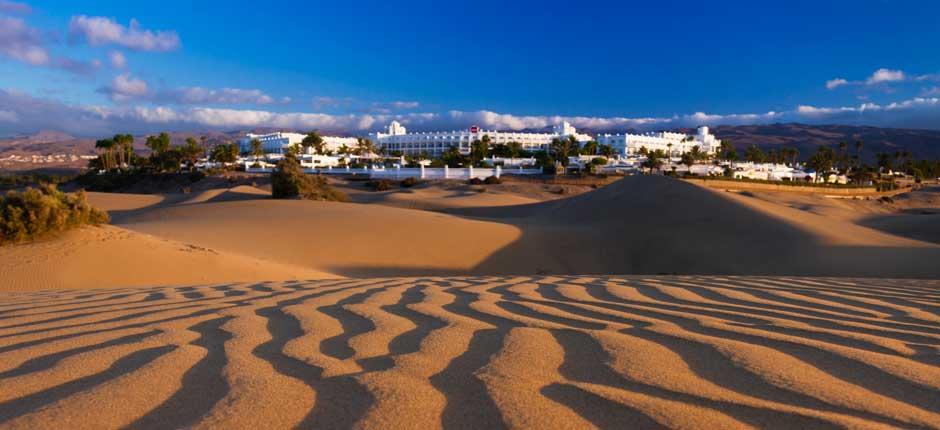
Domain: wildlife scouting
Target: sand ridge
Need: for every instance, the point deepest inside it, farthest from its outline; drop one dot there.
(477, 352)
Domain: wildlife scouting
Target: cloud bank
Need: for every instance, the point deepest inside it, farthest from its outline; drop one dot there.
(23, 113)
(125, 88)
(882, 77)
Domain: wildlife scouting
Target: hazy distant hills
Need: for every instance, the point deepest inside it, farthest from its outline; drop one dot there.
(806, 138)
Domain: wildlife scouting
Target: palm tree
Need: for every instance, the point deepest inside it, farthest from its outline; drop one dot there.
(124, 145)
(364, 147)
(561, 149)
(514, 148)
(191, 151)
(608, 150)
(654, 160)
(689, 160)
(590, 148)
(107, 145)
(479, 149)
(823, 161)
(313, 140)
(256, 149)
(158, 144)
(843, 156)
(794, 154)
(754, 154)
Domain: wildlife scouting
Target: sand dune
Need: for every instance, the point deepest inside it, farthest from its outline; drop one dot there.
(477, 352)
(653, 224)
(342, 238)
(639, 225)
(108, 257)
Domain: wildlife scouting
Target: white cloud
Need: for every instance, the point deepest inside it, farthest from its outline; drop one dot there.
(99, 31)
(118, 60)
(8, 116)
(124, 88)
(25, 44)
(930, 92)
(200, 95)
(33, 114)
(885, 75)
(14, 7)
(21, 42)
(836, 83)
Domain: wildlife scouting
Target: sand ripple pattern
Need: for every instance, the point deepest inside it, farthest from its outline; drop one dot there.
(477, 352)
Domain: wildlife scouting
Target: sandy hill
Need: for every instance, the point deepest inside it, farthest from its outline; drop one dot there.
(108, 256)
(490, 352)
(341, 238)
(653, 224)
(641, 224)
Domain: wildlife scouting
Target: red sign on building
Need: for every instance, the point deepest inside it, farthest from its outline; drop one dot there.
(474, 129)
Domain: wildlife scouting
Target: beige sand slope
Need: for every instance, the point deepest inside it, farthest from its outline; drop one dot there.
(641, 224)
(485, 352)
(107, 256)
(342, 238)
(653, 224)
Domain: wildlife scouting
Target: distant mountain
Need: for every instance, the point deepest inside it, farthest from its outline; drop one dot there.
(807, 138)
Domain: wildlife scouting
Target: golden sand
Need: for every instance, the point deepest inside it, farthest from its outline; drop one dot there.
(477, 352)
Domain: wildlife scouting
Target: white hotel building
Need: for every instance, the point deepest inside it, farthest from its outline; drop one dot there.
(277, 143)
(671, 143)
(397, 138)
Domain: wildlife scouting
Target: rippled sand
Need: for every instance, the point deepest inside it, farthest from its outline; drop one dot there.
(477, 352)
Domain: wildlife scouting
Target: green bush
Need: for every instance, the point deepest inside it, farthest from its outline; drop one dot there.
(409, 182)
(288, 181)
(492, 180)
(15, 180)
(137, 181)
(39, 212)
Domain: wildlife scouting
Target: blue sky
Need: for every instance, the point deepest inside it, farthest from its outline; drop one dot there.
(96, 67)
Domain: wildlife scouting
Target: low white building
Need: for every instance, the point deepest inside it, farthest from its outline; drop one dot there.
(278, 142)
(671, 143)
(397, 138)
(770, 172)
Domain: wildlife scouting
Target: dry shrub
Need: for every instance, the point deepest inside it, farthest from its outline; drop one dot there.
(288, 181)
(45, 211)
(379, 184)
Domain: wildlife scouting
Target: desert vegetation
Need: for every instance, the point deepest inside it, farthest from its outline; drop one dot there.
(44, 211)
(288, 181)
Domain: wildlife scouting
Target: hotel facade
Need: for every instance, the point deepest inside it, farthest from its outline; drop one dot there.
(671, 143)
(397, 138)
(278, 142)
